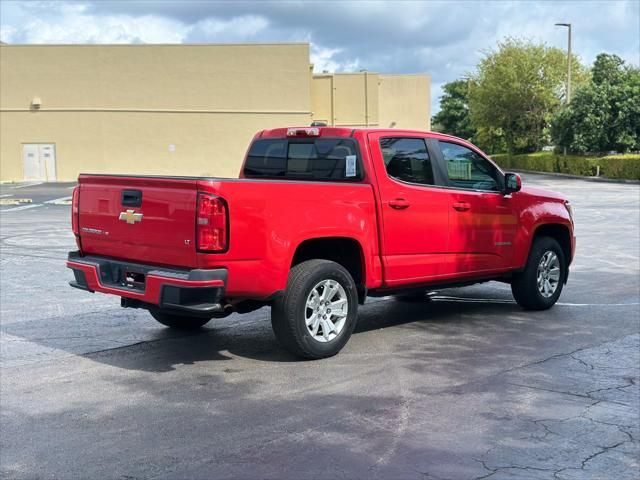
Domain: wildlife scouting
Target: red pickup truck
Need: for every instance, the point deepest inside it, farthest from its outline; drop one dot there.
(319, 219)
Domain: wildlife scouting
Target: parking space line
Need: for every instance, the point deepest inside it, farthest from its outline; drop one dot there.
(497, 300)
(6, 195)
(28, 184)
(23, 207)
(60, 201)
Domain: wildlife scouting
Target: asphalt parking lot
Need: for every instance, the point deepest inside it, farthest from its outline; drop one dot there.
(466, 386)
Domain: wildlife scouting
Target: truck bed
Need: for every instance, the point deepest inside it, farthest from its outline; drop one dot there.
(153, 219)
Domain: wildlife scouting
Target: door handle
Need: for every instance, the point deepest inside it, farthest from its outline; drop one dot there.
(399, 203)
(461, 206)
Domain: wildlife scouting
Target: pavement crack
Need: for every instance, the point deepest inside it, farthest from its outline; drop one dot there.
(493, 471)
(567, 354)
(582, 362)
(600, 452)
(549, 390)
(630, 383)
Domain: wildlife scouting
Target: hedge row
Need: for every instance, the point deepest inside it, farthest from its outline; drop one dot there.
(613, 166)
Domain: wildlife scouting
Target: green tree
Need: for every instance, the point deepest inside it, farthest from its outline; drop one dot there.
(604, 114)
(453, 117)
(607, 69)
(516, 90)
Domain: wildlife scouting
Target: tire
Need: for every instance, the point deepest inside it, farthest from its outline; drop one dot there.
(525, 286)
(179, 322)
(306, 286)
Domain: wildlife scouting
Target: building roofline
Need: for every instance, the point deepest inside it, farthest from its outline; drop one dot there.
(344, 73)
(373, 73)
(404, 74)
(249, 44)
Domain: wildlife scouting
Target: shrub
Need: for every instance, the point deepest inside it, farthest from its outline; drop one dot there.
(611, 166)
(621, 166)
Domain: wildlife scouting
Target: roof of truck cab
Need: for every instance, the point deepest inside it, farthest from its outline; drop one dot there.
(350, 131)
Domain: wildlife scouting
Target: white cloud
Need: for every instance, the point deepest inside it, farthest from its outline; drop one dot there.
(8, 33)
(243, 28)
(323, 60)
(73, 26)
(444, 39)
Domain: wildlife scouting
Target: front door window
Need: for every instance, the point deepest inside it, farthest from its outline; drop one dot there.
(466, 169)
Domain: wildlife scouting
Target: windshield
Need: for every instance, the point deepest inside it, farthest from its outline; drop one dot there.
(304, 159)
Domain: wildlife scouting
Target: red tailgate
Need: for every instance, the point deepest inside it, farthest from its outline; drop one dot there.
(145, 219)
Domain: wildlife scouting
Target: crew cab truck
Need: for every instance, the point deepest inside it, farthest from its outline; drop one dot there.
(319, 219)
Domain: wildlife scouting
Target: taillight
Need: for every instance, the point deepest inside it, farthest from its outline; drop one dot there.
(212, 224)
(75, 210)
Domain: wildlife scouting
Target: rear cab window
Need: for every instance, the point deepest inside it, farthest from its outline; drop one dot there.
(329, 159)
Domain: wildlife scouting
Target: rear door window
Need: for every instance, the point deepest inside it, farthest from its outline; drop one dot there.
(304, 159)
(407, 159)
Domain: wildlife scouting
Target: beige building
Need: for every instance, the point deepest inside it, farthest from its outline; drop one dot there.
(176, 109)
(367, 99)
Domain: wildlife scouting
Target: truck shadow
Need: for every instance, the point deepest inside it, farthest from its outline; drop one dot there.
(133, 341)
(235, 336)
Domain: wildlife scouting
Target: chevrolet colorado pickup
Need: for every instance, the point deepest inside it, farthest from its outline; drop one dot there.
(319, 219)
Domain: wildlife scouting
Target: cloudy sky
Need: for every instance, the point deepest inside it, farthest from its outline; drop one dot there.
(444, 39)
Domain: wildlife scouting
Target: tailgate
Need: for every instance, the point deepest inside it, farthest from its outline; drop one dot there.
(149, 220)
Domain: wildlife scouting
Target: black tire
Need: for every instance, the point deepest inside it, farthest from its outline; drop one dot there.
(288, 312)
(524, 285)
(179, 322)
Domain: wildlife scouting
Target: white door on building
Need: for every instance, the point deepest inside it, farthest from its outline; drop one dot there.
(39, 161)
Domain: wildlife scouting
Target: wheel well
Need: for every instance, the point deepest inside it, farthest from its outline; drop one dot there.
(560, 233)
(345, 251)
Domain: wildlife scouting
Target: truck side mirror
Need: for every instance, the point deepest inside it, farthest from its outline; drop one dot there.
(512, 183)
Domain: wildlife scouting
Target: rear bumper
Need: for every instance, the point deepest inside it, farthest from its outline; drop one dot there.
(197, 292)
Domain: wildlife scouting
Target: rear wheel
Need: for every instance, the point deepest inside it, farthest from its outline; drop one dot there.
(180, 322)
(539, 285)
(317, 313)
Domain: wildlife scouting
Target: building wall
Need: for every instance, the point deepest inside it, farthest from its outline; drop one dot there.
(405, 101)
(180, 109)
(322, 98)
(355, 101)
(346, 99)
(173, 109)
(400, 101)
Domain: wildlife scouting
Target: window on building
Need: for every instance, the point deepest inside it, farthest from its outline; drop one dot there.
(467, 169)
(407, 159)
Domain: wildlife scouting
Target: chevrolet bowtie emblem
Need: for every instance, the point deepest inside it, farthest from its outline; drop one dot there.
(130, 216)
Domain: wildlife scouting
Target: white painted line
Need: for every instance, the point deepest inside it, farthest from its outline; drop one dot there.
(28, 184)
(496, 300)
(59, 200)
(23, 207)
(597, 304)
(6, 195)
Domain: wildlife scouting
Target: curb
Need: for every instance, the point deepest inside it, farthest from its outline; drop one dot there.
(580, 177)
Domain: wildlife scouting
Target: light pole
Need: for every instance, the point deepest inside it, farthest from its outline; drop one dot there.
(568, 25)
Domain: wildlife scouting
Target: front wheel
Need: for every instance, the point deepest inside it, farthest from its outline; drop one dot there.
(539, 285)
(178, 322)
(317, 312)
